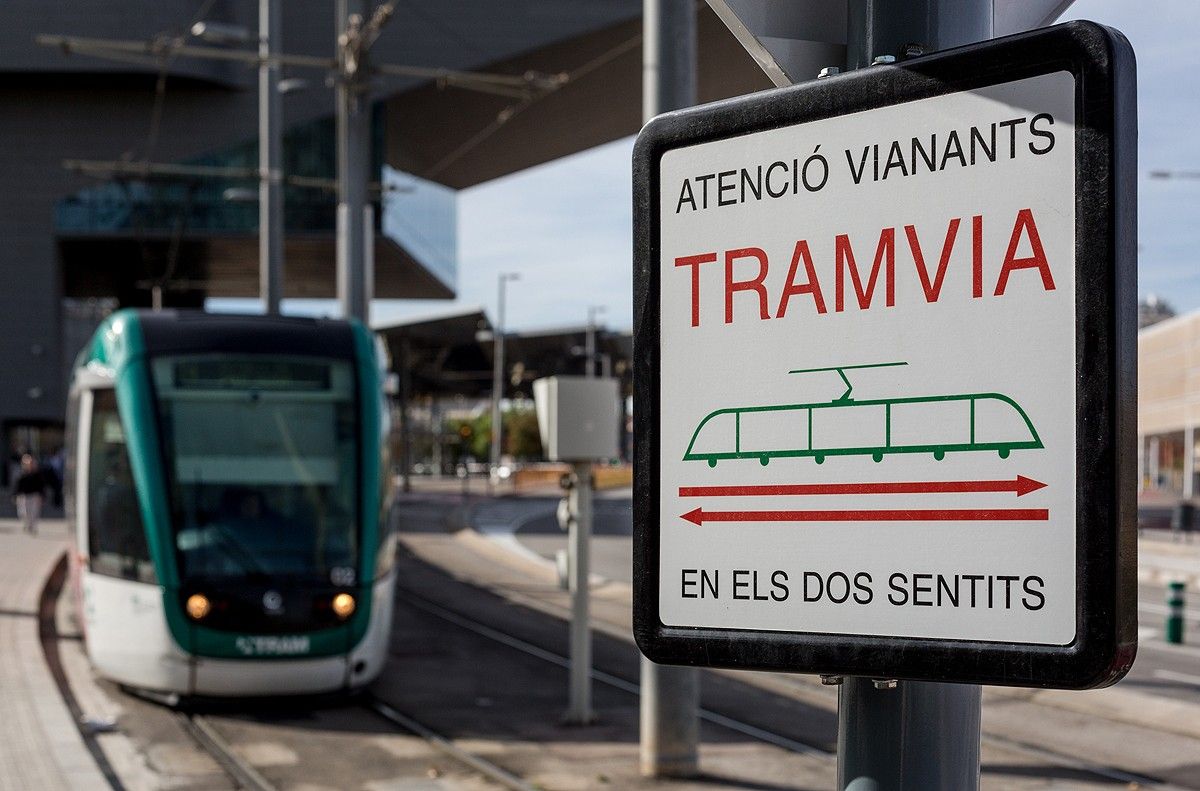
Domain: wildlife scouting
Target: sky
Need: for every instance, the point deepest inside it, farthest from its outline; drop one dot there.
(1161, 32)
(566, 227)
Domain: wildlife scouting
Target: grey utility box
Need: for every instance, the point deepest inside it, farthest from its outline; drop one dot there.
(578, 417)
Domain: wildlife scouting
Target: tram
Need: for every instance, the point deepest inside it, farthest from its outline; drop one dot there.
(227, 491)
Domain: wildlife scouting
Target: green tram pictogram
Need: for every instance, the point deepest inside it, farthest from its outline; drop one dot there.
(935, 424)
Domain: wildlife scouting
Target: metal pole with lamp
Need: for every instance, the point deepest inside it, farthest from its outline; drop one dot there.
(589, 347)
(270, 142)
(498, 373)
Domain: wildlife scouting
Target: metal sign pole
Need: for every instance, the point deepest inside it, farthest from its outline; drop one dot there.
(911, 734)
(895, 735)
(270, 158)
(579, 711)
(353, 156)
(670, 697)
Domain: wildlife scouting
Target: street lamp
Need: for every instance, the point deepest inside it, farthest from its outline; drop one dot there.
(589, 349)
(222, 33)
(498, 372)
(1174, 174)
(270, 140)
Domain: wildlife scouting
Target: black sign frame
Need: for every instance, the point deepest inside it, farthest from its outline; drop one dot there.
(1103, 64)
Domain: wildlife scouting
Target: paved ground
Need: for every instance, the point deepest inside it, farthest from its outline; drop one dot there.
(1169, 673)
(40, 747)
(1033, 739)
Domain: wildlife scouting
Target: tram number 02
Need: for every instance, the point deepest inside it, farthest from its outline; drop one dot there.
(273, 646)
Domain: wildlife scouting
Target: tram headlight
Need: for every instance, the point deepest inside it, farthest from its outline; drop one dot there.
(197, 606)
(343, 605)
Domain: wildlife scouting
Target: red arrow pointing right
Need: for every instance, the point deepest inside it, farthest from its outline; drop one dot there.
(1019, 485)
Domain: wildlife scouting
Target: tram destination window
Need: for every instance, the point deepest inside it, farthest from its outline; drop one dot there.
(116, 538)
(262, 467)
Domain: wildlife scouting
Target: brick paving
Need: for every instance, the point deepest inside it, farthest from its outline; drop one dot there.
(40, 747)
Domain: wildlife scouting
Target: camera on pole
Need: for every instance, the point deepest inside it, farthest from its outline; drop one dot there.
(578, 418)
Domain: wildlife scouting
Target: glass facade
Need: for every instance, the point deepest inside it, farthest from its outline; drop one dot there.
(418, 215)
(204, 205)
(422, 217)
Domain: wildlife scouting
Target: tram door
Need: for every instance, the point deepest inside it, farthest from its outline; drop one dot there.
(122, 601)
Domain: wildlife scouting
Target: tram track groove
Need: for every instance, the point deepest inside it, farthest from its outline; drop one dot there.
(50, 637)
(1133, 780)
(433, 738)
(245, 776)
(209, 739)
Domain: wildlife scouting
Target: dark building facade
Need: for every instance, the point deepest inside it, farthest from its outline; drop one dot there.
(76, 247)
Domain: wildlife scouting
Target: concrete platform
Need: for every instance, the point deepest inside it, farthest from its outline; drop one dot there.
(40, 745)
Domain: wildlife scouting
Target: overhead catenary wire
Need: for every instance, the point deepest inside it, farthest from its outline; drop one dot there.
(160, 88)
(105, 169)
(176, 47)
(528, 87)
(513, 110)
(351, 67)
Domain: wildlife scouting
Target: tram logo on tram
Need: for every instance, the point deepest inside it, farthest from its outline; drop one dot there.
(227, 490)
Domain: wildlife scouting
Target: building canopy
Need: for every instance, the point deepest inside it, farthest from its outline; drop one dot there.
(451, 354)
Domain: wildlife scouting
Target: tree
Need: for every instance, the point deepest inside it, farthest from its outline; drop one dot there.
(522, 439)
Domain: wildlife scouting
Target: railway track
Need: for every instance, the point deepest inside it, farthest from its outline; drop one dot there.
(1106, 774)
(245, 776)
(206, 735)
(209, 739)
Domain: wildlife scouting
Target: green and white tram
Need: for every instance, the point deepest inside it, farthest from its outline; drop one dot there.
(228, 496)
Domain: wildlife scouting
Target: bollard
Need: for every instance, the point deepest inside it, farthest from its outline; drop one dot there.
(1175, 591)
(1182, 518)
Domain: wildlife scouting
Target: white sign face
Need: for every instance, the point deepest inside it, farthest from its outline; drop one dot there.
(868, 372)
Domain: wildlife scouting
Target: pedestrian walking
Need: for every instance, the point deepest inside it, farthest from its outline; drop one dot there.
(28, 491)
(54, 479)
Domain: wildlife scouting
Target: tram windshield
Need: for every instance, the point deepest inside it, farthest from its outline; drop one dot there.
(262, 465)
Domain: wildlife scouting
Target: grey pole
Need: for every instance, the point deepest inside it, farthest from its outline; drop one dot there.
(908, 735)
(668, 56)
(579, 708)
(354, 230)
(270, 158)
(589, 346)
(670, 698)
(1189, 462)
(896, 736)
(876, 28)
(589, 341)
(498, 374)
(405, 377)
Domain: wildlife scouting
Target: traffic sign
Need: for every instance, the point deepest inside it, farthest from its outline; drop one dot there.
(886, 333)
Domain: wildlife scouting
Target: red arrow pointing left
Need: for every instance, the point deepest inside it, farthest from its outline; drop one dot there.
(699, 516)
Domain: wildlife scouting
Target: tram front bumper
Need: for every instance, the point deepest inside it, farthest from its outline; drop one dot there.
(241, 677)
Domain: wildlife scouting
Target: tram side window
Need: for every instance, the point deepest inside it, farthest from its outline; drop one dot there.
(116, 538)
(385, 558)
